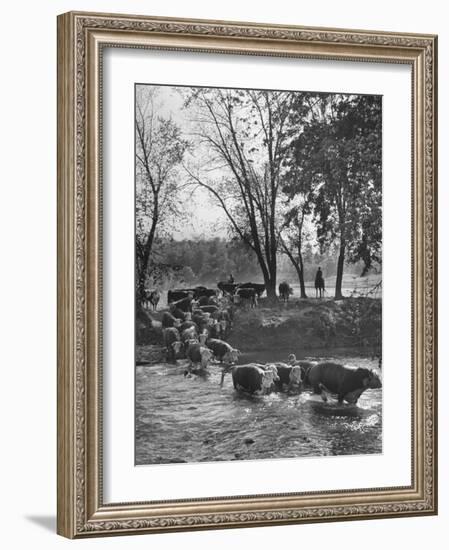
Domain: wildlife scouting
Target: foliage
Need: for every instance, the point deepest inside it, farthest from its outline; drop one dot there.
(338, 154)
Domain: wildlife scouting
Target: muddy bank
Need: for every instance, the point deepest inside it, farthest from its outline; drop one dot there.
(352, 323)
(310, 324)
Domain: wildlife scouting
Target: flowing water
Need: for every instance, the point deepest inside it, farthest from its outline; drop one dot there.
(195, 419)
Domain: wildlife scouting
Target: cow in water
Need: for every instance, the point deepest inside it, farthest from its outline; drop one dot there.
(172, 342)
(285, 290)
(198, 355)
(253, 379)
(223, 351)
(289, 376)
(346, 382)
(305, 366)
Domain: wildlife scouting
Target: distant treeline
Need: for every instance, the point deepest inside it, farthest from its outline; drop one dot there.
(207, 261)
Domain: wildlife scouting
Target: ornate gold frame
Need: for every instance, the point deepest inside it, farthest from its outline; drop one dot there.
(81, 37)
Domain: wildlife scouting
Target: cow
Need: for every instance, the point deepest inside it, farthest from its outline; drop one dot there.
(188, 324)
(252, 379)
(203, 301)
(305, 366)
(202, 291)
(224, 329)
(214, 329)
(288, 375)
(346, 382)
(176, 312)
(198, 355)
(225, 315)
(209, 309)
(223, 351)
(245, 296)
(227, 288)
(151, 297)
(259, 288)
(175, 295)
(185, 304)
(284, 291)
(169, 320)
(189, 334)
(200, 320)
(172, 342)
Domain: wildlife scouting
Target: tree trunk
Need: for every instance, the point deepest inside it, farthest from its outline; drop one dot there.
(147, 251)
(270, 286)
(299, 267)
(340, 264)
(300, 272)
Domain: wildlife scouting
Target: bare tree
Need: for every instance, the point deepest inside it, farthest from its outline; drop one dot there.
(243, 141)
(160, 149)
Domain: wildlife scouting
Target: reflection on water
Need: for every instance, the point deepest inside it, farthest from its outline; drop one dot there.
(181, 419)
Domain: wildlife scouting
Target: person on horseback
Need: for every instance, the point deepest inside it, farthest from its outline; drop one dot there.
(319, 283)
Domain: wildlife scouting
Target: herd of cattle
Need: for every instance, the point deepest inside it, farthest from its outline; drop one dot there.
(245, 294)
(326, 378)
(198, 322)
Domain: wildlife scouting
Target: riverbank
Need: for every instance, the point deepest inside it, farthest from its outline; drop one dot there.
(310, 324)
(352, 323)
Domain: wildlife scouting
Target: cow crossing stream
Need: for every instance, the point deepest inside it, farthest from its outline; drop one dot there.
(195, 419)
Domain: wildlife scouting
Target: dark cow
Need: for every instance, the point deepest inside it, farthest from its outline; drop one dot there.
(176, 294)
(185, 304)
(200, 321)
(223, 351)
(152, 297)
(203, 301)
(227, 288)
(346, 382)
(246, 296)
(176, 312)
(284, 291)
(209, 309)
(202, 291)
(172, 342)
(252, 378)
(259, 288)
(169, 320)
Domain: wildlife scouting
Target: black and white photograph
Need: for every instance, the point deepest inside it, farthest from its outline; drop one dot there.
(258, 274)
